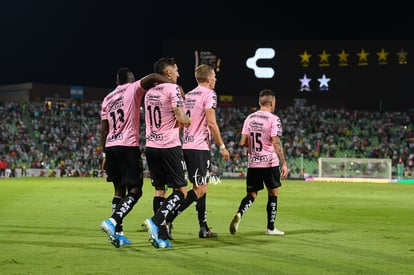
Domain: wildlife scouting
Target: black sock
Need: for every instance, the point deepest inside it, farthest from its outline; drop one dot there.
(124, 207)
(245, 204)
(200, 206)
(115, 202)
(157, 202)
(191, 197)
(271, 209)
(171, 203)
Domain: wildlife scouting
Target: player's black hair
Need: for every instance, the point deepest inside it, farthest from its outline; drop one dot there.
(122, 75)
(160, 65)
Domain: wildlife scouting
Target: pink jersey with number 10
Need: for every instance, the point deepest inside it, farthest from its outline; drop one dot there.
(161, 130)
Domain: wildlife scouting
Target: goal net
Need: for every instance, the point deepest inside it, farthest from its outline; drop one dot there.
(355, 168)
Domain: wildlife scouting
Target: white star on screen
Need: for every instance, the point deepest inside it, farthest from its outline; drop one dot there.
(323, 82)
(304, 83)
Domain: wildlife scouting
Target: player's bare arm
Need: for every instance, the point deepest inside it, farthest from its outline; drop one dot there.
(152, 79)
(277, 144)
(181, 117)
(215, 131)
(244, 141)
(104, 133)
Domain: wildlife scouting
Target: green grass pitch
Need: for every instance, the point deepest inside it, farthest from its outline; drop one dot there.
(51, 226)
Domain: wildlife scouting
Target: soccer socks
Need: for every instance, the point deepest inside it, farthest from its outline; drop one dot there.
(191, 197)
(115, 202)
(200, 206)
(245, 204)
(156, 203)
(171, 204)
(271, 209)
(184, 204)
(124, 207)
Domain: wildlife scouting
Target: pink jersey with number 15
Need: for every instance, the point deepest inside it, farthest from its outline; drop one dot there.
(260, 127)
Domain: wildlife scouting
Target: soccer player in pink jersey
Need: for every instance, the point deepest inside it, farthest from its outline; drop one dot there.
(120, 139)
(261, 133)
(200, 106)
(164, 112)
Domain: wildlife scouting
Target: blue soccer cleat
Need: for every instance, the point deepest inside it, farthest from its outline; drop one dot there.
(121, 240)
(152, 230)
(163, 243)
(109, 228)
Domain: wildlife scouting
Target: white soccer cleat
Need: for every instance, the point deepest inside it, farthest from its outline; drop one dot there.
(275, 232)
(235, 222)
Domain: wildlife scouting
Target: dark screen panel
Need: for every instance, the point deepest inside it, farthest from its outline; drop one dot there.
(369, 74)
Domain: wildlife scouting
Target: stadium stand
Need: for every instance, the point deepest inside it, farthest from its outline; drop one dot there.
(63, 139)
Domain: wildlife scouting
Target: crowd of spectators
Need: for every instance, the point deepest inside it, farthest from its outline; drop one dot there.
(66, 137)
(310, 132)
(51, 136)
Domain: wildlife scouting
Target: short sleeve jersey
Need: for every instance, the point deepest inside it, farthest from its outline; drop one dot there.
(197, 101)
(160, 122)
(121, 108)
(260, 127)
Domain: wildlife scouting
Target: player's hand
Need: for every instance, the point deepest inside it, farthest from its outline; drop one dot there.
(225, 154)
(284, 172)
